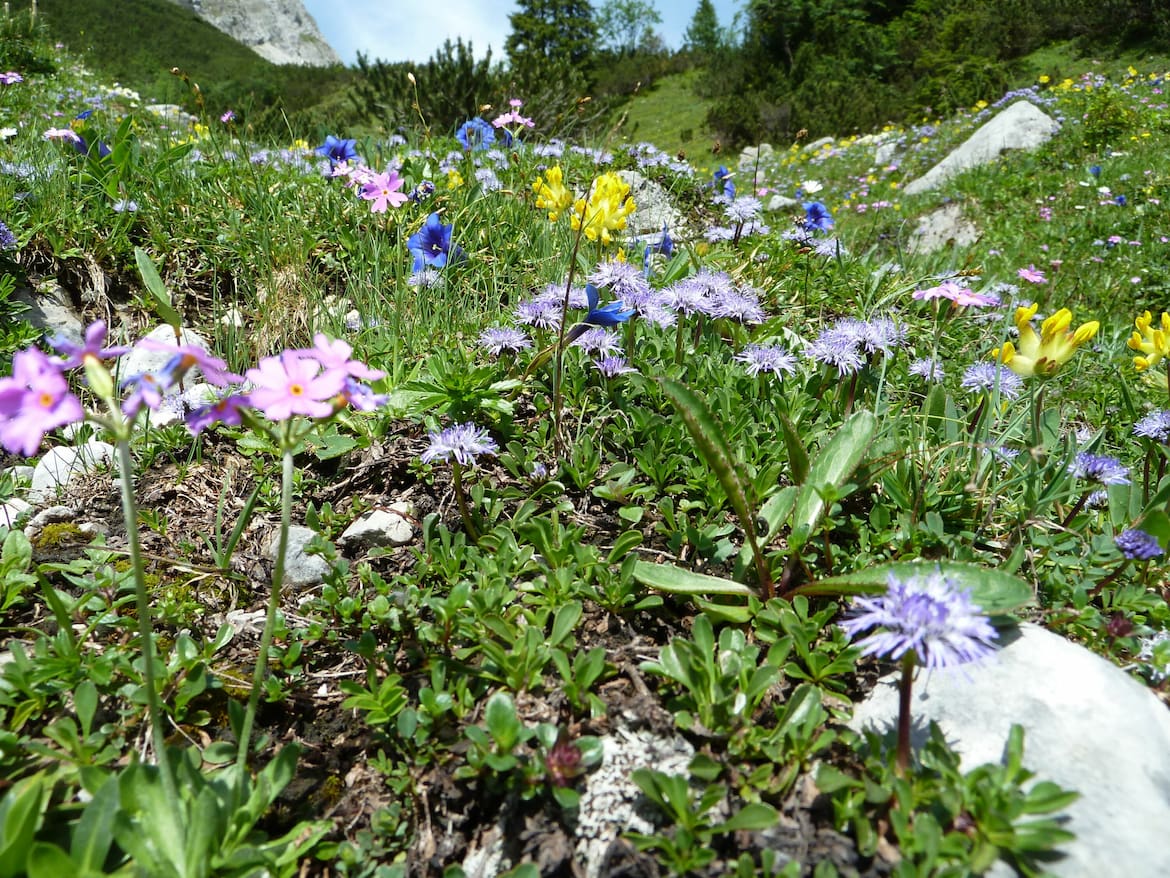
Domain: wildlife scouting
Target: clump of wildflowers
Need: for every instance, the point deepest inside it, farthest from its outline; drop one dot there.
(606, 210)
(551, 194)
(7, 238)
(1152, 341)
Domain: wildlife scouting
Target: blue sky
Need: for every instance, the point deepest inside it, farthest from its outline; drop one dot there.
(394, 30)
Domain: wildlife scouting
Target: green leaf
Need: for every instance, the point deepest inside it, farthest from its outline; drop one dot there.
(834, 465)
(994, 591)
(675, 580)
(156, 287)
(776, 510)
(798, 462)
(49, 861)
(20, 816)
(94, 832)
(500, 718)
(754, 816)
(713, 446)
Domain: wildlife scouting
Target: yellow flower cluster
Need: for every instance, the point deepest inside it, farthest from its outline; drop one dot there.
(606, 210)
(1041, 355)
(1152, 341)
(551, 194)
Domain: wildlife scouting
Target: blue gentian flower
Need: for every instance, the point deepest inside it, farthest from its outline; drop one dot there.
(664, 245)
(723, 181)
(1119, 200)
(476, 134)
(338, 150)
(1095, 170)
(817, 217)
(605, 315)
(431, 245)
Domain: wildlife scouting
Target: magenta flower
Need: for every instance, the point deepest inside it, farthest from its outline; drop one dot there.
(225, 411)
(185, 357)
(1032, 275)
(146, 390)
(91, 348)
(333, 355)
(34, 400)
(382, 191)
(289, 385)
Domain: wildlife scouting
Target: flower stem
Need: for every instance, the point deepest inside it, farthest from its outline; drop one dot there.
(461, 499)
(286, 489)
(145, 630)
(902, 758)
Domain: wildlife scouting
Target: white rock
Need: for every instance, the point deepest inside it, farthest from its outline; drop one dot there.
(50, 309)
(380, 527)
(653, 207)
(611, 803)
(1088, 726)
(1021, 126)
(139, 360)
(12, 510)
(940, 227)
(885, 153)
(782, 202)
(752, 157)
(817, 144)
(301, 570)
(60, 465)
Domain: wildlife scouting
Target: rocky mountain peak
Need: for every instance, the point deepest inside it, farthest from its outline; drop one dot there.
(281, 31)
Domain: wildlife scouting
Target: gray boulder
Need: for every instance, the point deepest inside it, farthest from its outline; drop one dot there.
(380, 528)
(653, 207)
(1088, 726)
(1021, 126)
(301, 570)
(941, 228)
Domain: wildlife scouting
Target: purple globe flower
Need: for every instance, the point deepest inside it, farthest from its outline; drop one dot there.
(1155, 425)
(926, 614)
(1137, 545)
(497, 339)
(1099, 468)
(767, 358)
(462, 442)
(984, 377)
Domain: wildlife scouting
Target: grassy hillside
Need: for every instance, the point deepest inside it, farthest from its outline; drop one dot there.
(148, 38)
